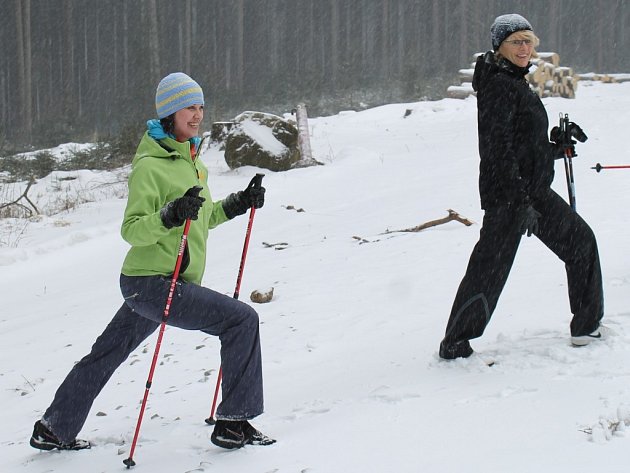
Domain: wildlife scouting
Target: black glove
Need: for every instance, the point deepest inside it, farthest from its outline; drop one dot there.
(554, 135)
(573, 130)
(557, 148)
(175, 213)
(528, 220)
(238, 203)
(560, 143)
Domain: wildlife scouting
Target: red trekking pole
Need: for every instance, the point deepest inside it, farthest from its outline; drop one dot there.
(257, 183)
(129, 461)
(598, 167)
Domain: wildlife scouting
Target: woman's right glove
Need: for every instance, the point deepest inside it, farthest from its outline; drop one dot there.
(528, 220)
(560, 142)
(176, 212)
(239, 202)
(557, 146)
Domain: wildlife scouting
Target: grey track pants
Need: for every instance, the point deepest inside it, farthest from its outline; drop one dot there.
(193, 308)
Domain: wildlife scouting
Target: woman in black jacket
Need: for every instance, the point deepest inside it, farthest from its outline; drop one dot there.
(515, 175)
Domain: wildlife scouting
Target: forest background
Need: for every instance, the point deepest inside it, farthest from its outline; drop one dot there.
(78, 70)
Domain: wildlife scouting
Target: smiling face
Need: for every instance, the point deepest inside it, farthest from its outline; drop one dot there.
(187, 121)
(518, 54)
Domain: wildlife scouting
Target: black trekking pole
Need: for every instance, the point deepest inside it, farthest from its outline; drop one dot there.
(569, 130)
(129, 461)
(568, 161)
(598, 167)
(256, 183)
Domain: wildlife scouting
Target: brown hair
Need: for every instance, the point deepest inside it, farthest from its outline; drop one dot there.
(168, 124)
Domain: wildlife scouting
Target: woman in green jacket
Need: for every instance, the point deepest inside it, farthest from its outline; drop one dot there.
(167, 186)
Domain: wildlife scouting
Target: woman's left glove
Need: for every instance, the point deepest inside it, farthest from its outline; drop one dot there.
(528, 220)
(238, 203)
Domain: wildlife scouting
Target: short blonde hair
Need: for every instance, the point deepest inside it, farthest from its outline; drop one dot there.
(522, 34)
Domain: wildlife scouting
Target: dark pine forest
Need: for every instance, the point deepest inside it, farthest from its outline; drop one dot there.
(77, 70)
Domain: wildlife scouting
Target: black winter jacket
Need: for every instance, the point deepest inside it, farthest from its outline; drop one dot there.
(516, 156)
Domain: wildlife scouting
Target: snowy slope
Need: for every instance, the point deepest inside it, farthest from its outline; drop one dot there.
(352, 379)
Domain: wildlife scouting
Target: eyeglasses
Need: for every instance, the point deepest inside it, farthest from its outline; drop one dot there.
(519, 42)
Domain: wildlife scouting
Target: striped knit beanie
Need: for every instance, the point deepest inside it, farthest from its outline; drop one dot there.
(176, 91)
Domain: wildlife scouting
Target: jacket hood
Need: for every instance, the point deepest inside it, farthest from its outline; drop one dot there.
(488, 65)
(165, 148)
(159, 144)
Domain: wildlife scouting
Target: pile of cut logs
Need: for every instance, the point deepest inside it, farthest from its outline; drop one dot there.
(547, 78)
(605, 78)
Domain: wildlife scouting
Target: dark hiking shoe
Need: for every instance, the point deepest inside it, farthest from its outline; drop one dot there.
(44, 439)
(255, 437)
(237, 434)
(456, 350)
(228, 434)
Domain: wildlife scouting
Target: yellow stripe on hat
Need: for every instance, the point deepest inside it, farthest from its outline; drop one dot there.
(176, 83)
(179, 95)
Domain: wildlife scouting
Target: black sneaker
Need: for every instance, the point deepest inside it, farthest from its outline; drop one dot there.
(456, 350)
(237, 434)
(44, 439)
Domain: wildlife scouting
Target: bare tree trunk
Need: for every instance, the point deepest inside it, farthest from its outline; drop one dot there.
(3, 106)
(67, 59)
(188, 25)
(553, 31)
(125, 58)
(240, 16)
(464, 40)
(435, 33)
(601, 26)
(400, 50)
(28, 104)
(334, 43)
(154, 40)
(385, 56)
(20, 65)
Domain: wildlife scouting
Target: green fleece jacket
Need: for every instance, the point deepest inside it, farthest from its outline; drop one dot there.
(159, 176)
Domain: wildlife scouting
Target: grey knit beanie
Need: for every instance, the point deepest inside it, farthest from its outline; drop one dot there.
(504, 26)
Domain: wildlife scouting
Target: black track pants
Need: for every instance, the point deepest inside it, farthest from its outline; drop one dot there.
(564, 232)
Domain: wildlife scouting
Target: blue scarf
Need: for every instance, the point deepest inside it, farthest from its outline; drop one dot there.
(154, 127)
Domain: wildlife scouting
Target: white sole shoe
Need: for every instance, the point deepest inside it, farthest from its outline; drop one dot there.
(583, 340)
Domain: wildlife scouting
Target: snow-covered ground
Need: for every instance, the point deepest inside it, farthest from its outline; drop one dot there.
(352, 378)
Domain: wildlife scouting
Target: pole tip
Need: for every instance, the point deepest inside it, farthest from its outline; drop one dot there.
(129, 462)
(210, 421)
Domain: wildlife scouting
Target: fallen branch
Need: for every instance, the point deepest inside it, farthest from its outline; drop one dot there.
(452, 215)
(362, 240)
(276, 246)
(25, 197)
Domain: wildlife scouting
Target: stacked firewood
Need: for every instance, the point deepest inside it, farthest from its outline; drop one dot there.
(547, 78)
(605, 78)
